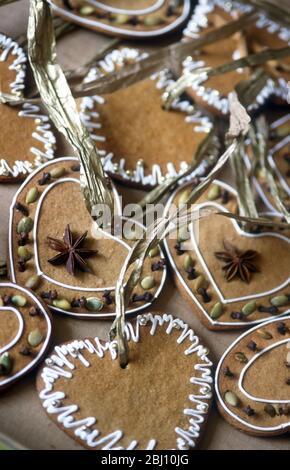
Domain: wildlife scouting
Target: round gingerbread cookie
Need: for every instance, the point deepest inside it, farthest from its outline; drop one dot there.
(84, 390)
(58, 251)
(278, 157)
(213, 92)
(141, 143)
(25, 332)
(228, 275)
(26, 137)
(253, 378)
(145, 20)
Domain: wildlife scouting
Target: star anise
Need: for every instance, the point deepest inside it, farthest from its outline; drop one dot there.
(70, 252)
(238, 263)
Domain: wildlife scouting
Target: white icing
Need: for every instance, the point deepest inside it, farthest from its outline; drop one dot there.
(83, 429)
(92, 120)
(250, 363)
(95, 23)
(279, 427)
(42, 134)
(198, 22)
(6, 380)
(9, 47)
(185, 285)
(9, 310)
(118, 213)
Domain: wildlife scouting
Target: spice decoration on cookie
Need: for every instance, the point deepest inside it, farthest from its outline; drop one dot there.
(149, 20)
(73, 270)
(252, 380)
(25, 332)
(224, 269)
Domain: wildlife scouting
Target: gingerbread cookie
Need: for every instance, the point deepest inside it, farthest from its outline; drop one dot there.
(253, 379)
(127, 126)
(25, 331)
(149, 19)
(57, 250)
(228, 274)
(278, 160)
(213, 92)
(84, 390)
(26, 137)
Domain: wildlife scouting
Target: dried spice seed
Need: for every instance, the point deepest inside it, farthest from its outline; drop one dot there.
(158, 266)
(19, 300)
(264, 334)
(206, 298)
(23, 239)
(146, 297)
(288, 382)
(21, 266)
(25, 225)
(249, 411)
(231, 399)
(184, 197)
(1, 302)
(87, 10)
(76, 168)
(120, 19)
(272, 310)
(270, 410)
(50, 295)
(249, 308)
(6, 363)
(200, 282)
(62, 304)
(7, 300)
(32, 282)
(24, 253)
(191, 274)
(188, 262)
(183, 234)
(178, 249)
(71, 252)
(279, 300)
(216, 311)
(252, 346)
(225, 196)
(281, 328)
(34, 311)
(241, 357)
(153, 252)
(35, 337)
(21, 208)
(238, 316)
(237, 263)
(147, 282)
(151, 20)
(25, 351)
(32, 195)
(79, 303)
(57, 172)
(214, 192)
(94, 304)
(228, 373)
(109, 299)
(45, 179)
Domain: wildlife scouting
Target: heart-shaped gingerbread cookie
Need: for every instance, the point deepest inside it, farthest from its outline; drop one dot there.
(25, 331)
(229, 274)
(56, 249)
(278, 161)
(213, 92)
(253, 378)
(145, 20)
(85, 391)
(141, 143)
(26, 137)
